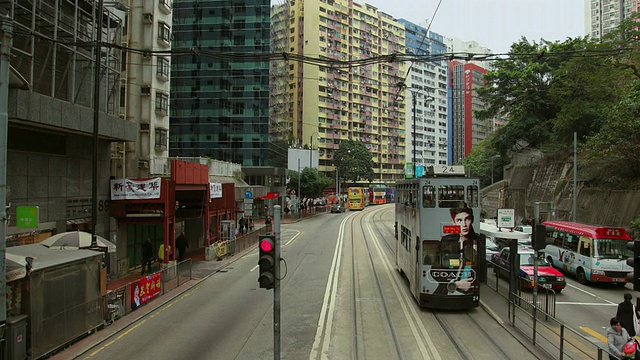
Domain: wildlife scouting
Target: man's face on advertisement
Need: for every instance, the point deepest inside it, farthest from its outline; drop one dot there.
(464, 220)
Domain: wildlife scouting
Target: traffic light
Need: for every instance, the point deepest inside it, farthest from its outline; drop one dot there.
(267, 261)
(539, 237)
(634, 262)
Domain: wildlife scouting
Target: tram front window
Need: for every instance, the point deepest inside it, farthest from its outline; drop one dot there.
(447, 253)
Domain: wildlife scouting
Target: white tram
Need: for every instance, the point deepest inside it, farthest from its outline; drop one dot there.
(437, 248)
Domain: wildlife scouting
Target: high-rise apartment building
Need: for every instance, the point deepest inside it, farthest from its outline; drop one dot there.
(145, 88)
(343, 96)
(466, 131)
(603, 16)
(220, 80)
(426, 89)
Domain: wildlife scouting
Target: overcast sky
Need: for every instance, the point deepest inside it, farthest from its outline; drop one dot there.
(495, 24)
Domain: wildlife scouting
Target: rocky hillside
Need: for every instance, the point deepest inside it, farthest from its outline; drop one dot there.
(552, 181)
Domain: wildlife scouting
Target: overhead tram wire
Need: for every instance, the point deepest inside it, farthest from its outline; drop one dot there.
(322, 61)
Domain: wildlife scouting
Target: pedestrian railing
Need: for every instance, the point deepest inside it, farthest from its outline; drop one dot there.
(535, 319)
(123, 300)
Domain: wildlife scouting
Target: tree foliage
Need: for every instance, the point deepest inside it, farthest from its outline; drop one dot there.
(549, 90)
(353, 161)
(312, 182)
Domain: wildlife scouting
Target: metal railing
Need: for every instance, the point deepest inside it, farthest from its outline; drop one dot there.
(537, 321)
(119, 302)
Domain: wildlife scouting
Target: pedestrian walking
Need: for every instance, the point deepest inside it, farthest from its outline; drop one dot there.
(241, 225)
(181, 244)
(147, 256)
(628, 315)
(617, 338)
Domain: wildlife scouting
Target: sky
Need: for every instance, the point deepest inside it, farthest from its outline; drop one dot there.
(495, 24)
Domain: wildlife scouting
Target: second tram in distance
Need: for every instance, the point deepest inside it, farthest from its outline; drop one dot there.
(437, 248)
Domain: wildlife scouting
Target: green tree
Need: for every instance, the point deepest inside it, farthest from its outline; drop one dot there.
(312, 182)
(354, 161)
(614, 149)
(520, 90)
(479, 163)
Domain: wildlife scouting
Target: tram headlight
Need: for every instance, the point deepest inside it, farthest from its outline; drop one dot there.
(451, 286)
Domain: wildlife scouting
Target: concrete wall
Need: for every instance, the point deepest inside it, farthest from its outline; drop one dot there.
(59, 185)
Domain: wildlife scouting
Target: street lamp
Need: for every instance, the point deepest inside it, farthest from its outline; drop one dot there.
(493, 157)
(414, 95)
(311, 148)
(96, 121)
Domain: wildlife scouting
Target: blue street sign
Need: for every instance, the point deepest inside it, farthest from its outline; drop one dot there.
(248, 194)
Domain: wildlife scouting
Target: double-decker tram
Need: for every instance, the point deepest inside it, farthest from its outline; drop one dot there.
(437, 248)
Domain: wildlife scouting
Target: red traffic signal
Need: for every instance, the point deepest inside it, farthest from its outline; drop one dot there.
(266, 245)
(267, 262)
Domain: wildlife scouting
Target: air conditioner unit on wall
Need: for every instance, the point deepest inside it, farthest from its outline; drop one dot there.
(147, 18)
(143, 164)
(145, 90)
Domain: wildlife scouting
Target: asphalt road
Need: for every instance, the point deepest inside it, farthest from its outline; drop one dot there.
(341, 298)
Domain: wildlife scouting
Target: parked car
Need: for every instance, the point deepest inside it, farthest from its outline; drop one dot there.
(337, 208)
(548, 276)
(490, 249)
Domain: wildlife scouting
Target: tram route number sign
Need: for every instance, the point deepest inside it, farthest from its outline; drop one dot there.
(506, 218)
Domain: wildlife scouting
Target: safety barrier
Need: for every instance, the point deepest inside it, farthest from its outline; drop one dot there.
(536, 320)
(224, 248)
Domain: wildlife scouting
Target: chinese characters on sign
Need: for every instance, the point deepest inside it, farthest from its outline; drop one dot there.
(145, 289)
(27, 217)
(126, 189)
(215, 190)
(613, 232)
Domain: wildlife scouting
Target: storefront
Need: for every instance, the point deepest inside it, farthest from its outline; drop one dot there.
(162, 208)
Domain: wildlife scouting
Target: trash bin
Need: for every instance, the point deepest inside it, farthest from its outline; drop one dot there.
(16, 337)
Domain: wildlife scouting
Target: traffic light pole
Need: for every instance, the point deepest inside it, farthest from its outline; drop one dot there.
(276, 288)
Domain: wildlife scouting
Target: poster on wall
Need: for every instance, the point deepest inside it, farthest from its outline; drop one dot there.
(145, 289)
(127, 189)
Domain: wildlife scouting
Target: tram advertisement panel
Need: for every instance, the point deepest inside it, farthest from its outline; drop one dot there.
(452, 260)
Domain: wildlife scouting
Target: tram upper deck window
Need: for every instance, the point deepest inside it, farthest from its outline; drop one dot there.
(428, 196)
(451, 196)
(472, 196)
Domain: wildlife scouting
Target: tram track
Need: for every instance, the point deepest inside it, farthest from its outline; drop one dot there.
(460, 327)
(360, 332)
(468, 338)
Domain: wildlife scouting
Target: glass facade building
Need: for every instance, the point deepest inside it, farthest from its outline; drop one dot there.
(220, 80)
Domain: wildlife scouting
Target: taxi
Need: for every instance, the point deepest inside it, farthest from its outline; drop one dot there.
(548, 276)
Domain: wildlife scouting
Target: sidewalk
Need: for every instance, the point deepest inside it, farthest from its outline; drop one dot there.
(201, 270)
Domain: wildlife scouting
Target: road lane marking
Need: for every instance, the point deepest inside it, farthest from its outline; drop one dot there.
(591, 294)
(294, 238)
(327, 311)
(583, 303)
(594, 333)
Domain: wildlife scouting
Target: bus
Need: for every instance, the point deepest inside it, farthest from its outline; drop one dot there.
(358, 198)
(434, 215)
(591, 253)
